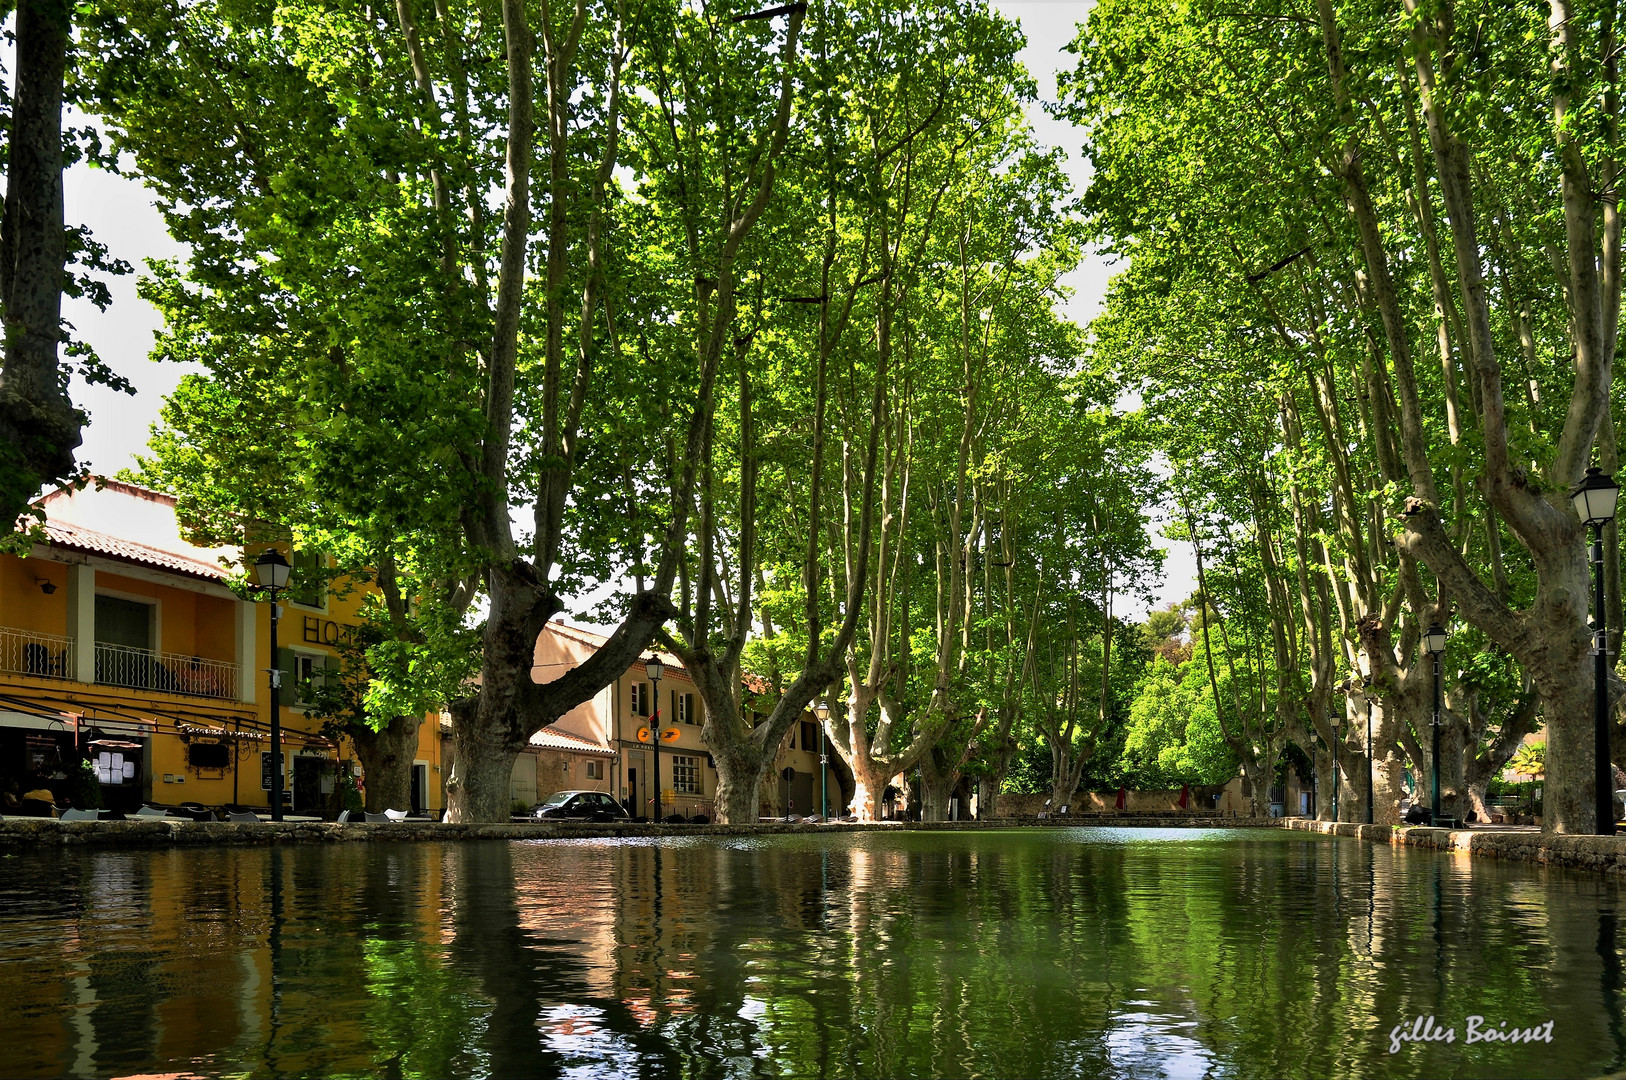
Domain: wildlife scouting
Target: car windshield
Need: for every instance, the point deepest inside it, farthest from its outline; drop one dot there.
(558, 798)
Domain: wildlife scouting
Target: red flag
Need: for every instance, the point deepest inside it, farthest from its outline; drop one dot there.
(1122, 791)
(1185, 795)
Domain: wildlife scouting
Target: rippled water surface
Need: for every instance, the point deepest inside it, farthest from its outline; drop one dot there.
(1135, 953)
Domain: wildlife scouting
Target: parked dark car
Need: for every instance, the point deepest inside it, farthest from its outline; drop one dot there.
(579, 806)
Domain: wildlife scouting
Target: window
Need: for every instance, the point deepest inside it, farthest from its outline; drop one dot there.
(202, 755)
(809, 736)
(683, 708)
(123, 622)
(686, 775)
(640, 699)
(302, 674)
(595, 770)
(308, 586)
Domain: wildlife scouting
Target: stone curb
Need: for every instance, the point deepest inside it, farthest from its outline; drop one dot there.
(1600, 854)
(45, 832)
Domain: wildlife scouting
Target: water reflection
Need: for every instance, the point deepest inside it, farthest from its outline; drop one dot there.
(1015, 954)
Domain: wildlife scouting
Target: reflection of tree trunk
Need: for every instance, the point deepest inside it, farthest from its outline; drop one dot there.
(491, 947)
(386, 762)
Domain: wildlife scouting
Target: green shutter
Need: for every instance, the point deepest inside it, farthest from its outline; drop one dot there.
(285, 664)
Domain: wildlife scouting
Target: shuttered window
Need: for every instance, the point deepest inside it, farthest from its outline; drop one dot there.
(308, 587)
(301, 673)
(123, 622)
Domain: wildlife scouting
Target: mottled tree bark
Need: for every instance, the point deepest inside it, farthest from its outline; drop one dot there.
(386, 763)
(39, 427)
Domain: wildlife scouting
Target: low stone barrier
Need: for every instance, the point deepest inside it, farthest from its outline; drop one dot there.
(1600, 854)
(167, 832)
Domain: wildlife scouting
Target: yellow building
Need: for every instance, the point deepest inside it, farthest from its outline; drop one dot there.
(121, 644)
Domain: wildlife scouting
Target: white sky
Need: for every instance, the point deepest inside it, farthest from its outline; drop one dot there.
(122, 215)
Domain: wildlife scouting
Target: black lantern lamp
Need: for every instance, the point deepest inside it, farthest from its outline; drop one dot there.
(1595, 498)
(1434, 642)
(271, 573)
(821, 709)
(655, 669)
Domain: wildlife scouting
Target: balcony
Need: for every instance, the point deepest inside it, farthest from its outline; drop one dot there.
(169, 673)
(43, 656)
(51, 656)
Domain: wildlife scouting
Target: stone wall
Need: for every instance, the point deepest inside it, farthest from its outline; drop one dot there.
(1603, 854)
(36, 832)
(1105, 802)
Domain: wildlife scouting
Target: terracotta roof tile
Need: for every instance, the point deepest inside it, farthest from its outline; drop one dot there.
(80, 538)
(550, 739)
(596, 641)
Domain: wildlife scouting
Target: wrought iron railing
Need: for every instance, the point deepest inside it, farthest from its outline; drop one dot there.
(170, 673)
(46, 656)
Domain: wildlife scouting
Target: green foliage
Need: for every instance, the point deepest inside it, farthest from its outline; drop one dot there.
(350, 796)
(1173, 736)
(1529, 759)
(84, 791)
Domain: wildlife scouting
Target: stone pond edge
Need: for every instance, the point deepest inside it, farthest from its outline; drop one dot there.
(1599, 854)
(42, 832)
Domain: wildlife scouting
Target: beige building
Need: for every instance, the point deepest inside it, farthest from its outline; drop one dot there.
(604, 743)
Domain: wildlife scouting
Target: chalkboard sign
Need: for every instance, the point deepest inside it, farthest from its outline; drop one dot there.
(265, 771)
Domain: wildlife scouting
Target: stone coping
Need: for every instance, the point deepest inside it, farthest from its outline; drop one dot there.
(159, 832)
(1600, 854)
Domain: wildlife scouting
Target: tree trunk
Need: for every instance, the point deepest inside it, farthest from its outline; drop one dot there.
(39, 428)
(386, 763)
(739, 784)
(869, 782)
(480, 786)
(988, 796)
(936, 785)
(1454, 749)
(1258, 789)
(1568, 803)
(1325, 784)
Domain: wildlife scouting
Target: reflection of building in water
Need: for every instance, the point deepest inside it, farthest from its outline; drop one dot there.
(1035, 953)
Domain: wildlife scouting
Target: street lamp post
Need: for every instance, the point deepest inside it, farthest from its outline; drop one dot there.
(1594, 500)
(654, 669)
(821, 709)
(1371, 754)
(271, 571)
(1434, 641)
(1335, 721)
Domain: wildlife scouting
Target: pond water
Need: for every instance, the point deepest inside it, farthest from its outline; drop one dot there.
(1099, 952)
